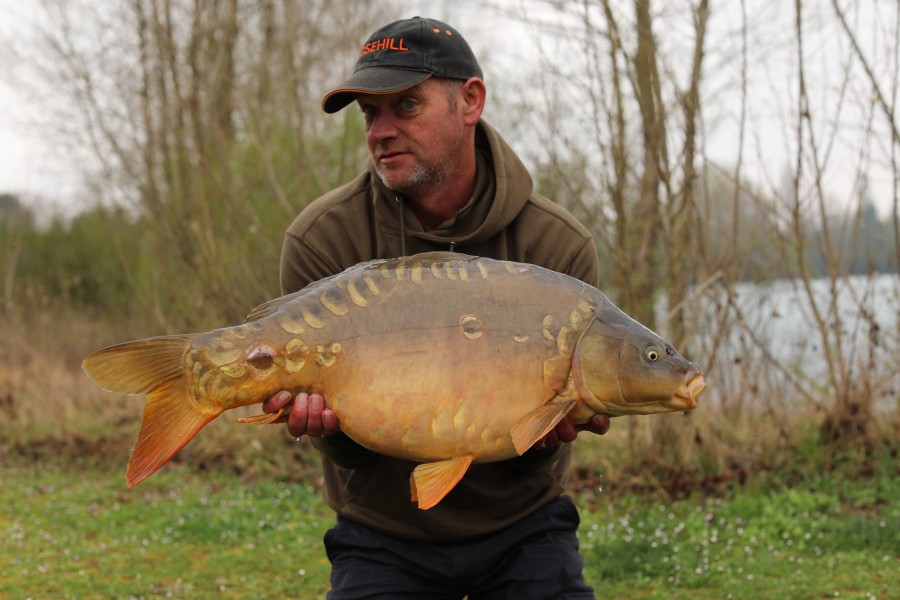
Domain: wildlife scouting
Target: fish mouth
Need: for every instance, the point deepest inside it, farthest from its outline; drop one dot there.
(687, 395)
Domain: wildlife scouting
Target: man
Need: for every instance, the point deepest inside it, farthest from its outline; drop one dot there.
(440, 179)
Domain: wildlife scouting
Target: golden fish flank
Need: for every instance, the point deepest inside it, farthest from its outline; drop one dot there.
(436, 270)
(234, 370)
(371, 285)
(416, 273)
(333, 305)
(471, 326)
(565, 341)
(514, 269)
(400, 272)
(546, 328)
(456, 272)
(488, 361)
(580, 314)
(295, 353)
(291, 325)
(239, 332)
(397, 272)
(356, 296)
(326, 354)
(222, 351)
(311, 319)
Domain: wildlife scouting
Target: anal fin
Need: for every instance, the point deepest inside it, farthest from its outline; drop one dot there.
(538, 423)
(430, 482)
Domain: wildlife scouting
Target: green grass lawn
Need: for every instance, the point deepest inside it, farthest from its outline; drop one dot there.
(74, 531)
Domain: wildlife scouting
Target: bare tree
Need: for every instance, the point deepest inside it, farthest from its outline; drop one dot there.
(623, 124)
(204, 115)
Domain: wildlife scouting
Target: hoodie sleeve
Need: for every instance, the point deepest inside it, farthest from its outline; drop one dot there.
(301, 264)
(585, 264)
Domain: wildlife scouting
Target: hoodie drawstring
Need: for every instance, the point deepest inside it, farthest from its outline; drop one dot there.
(399, 200)
(402, 226)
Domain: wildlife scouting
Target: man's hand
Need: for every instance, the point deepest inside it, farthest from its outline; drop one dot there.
(566, 431)
(308, 414)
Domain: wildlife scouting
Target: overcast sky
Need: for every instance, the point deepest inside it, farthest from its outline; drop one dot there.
(29, 165)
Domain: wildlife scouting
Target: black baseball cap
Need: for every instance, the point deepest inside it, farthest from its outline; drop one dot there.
(403, 54)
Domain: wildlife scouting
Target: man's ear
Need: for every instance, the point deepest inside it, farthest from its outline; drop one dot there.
(473, 94)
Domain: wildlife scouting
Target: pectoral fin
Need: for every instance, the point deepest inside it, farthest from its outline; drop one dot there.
(264, 419)
(430, 482)
(538, 423)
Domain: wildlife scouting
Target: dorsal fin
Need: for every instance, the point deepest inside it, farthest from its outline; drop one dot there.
(267, 308)
(442, 255)
(271, 307)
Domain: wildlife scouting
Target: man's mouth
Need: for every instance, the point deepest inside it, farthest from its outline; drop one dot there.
(387, 158)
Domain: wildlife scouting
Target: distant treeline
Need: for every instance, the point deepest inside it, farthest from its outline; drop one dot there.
(108, 259)
(869, 243)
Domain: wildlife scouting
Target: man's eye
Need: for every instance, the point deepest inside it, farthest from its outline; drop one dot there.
(408, 105)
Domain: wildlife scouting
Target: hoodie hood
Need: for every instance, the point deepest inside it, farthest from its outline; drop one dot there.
(503, 186)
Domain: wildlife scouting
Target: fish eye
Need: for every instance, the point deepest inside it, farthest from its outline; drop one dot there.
(652, 354)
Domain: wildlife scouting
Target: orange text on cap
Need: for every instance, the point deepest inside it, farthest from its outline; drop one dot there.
(384, 44)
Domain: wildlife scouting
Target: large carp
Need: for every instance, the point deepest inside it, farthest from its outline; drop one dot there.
(442, 358)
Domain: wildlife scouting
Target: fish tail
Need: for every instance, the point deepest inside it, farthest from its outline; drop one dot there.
(154, 367)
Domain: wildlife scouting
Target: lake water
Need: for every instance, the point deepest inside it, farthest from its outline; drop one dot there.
(775, 325)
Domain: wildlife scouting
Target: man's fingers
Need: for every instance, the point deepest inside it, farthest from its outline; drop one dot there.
(565, 431)
(599, 424)
(314, 426)
(330, 422)
(298, 416)
(309, 416)
(277, 402)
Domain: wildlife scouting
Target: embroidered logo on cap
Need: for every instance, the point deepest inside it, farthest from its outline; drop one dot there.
(384, 44)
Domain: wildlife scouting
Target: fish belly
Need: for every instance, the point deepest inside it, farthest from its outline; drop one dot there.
(446, 396)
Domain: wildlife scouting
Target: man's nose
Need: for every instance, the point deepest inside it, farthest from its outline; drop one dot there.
(382, 126)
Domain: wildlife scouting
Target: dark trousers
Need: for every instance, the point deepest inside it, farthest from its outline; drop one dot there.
(537, 558)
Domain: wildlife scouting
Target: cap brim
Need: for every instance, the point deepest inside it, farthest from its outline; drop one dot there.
(371, 80)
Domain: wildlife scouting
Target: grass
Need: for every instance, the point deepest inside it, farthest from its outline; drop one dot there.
(75, 531)
(72, 530)
(826, 539)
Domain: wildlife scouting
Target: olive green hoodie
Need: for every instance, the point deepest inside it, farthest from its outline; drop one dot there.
(505, 219)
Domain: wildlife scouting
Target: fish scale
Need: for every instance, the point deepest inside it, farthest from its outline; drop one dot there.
(442, 359)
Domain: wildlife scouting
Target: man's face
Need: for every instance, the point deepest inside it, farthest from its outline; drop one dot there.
(415, 136)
